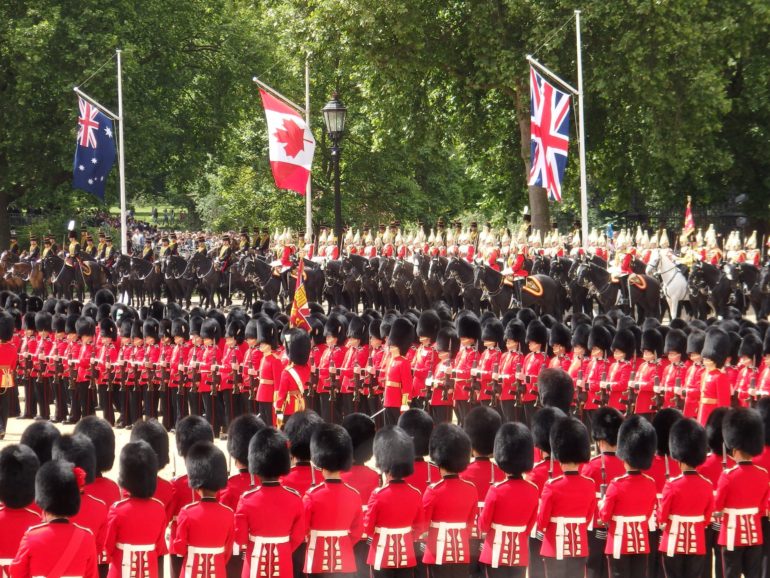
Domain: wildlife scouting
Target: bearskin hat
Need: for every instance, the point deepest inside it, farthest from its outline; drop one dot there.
(569, 441)
(538, 333)
(687, 442)
(104, 296)
(515, 331)
(58, 324)
(663, 421)
(235, 330)
(251, 329)
(714, 436)
(636, 442)
(43, 321)
(180, 328)
(50, 305)
(104, 312)
(676, 341)
(107, 328)
(599, 336)
(514, 449)
(429, 325)
(153, 432)
(206, 467)
(556, 388)
(164, 326)
(744, 430)
(196, 323)
(526, 315)
(331, 448)
(299, 428)
(542, 423)
(361, 429)
(450, 448)
(493, 330)
(447, 341)
(401, 335)
(394, 452)
(605, 425)
(468, 326)
(85, 326)
(357, 329)
(7, 327)
(735, 345)
(239, 434)
(89, 310)
(56, 489)
(28, 321)
(268, 454)
(419, 425)
(40, 436)
(151, 328)
(695, 341)
(138, 469)
(625, 341)
(374, 329)
(299, 347)
(124, 328)
(716, 346)
(79, 450)
(766, 344)
(74, 308)
(386, 324)
(18, 466)
(560, 335)
(335, 327)
(101, 434)
(191, 429)
(210, 329)
(751, 347)
(652, 341)
(481, 425)
(137, 330)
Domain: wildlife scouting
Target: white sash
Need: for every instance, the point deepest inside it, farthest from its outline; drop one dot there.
(513, 533)
(441, 539)
(132, 553)
(314, 535)
(734, 515)
(561, 529)
(272, 566)
(384, 541)
(620, 527)
(677, 527)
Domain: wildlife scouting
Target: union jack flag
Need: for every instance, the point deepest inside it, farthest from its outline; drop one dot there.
(549, 109)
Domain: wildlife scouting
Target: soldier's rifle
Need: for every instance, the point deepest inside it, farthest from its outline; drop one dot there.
(604, 394)
(313, 383)
(237, 378)
(632, 393)
(448, 383)
(164, 375)
(71, 374)
(678, 394)
(334, 385)
(216, 380)
(753, 397)
(475, 387)
(356, 383)
(495, 385)
(581, 395)
(194, 376)
(659, 393)
(92, 373)
(519, 386)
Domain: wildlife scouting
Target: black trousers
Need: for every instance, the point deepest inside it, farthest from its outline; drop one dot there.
(475, 568)
(628, 566)
(80, 401)
(360, 553)
(684, 565)
(765, 547)
(713, 552)
(135, 397)
(298, 560)
(167, 407)
(447, 570)
(29, 398)
(194, 403)
(529, 412)
(234, 567)
(536, 561)
(265, 412)
(743, 561)
(508, 407)
(228, 408)
(596, 563)
(60, 399)
(391, 573)
(212, 405)
(654, 563)
(441, 413)
(391, 415)
(462, 408)
(507, 572)
(567, 568)
(43, 396)
(150, 401)
(179, 399)
(105, 402)
(5, 407)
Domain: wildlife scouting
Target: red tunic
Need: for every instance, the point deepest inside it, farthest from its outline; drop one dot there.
(183, 495)
(646, 377)
(107, 355)
(270, 519)
(252, 359)
(425, 474)
(103, 489)
(745, 383)
(663, 468)
(463, 363)
(424, 363)
(490, 359)
(15, 522)
(439, 381)
(510, 363)
(673, 373)
(742, 493)
(596, 370)
(618, 376)
(685, 510)
(355, 358)
(626, 510)
(9, 358)
(204, 536)
(693, 378)
(93, 515)
(508, 515)
(42, 352)
(291, 389)
(562, 362)
(393, 513)
(209, 357)
(231, 356)
(398, 382)
(43, 545)
(135, 528)
(534, 363)
(363, 479)
(567, 506)
(86, 353)
(302, 477)
(712, 468)
(714, 392)
(336, 356)
(449, 512)
(334, 523)
(237, 485)
(541, 472)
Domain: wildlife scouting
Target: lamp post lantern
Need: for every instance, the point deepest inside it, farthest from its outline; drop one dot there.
(334, 118)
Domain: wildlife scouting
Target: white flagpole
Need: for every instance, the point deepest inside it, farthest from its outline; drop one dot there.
(308, 200)
(581, 136)
(121, 163)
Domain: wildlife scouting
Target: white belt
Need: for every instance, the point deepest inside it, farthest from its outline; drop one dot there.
(385, 535)
(561, 526)
(497, 543)
(677, 523)
(443, 534)
(259, 543)
(193, 551)
(732, 521)
(620, 525)
(314, 535)
(129, 550)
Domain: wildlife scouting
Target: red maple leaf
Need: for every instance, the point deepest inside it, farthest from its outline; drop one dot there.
(292, 137)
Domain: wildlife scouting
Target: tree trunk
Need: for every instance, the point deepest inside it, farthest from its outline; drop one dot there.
(5, 221)
(538, 196)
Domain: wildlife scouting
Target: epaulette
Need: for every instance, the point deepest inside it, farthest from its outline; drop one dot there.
(83, 528)
(291, 490)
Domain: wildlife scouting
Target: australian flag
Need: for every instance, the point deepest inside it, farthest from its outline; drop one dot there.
(95, 152)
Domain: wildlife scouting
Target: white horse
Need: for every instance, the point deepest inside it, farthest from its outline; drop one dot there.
(673, 281)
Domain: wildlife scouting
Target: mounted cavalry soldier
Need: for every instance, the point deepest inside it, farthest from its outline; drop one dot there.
(173, 247)
(148, 254)
(245, 243)
(34, 251)
(13, 248)
(90, 249)
(225, 256)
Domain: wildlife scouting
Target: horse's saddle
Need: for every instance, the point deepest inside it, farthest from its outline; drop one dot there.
(637, 281)
(533, 286)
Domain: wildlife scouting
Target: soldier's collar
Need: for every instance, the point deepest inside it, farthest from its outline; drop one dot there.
(634, 472)
(450, 476)
(515, 477)
(333, 481)
(481, 459)
(271, 483)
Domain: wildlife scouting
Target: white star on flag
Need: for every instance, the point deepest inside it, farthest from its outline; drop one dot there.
(94, 161)
(90, 181)
(81, 168)
(108, 132)
(101, 178)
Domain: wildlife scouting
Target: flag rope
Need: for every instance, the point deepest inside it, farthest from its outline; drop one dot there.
(108, 61)
(547, 40)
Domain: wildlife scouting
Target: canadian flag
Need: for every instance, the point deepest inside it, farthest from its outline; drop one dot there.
(291, 144)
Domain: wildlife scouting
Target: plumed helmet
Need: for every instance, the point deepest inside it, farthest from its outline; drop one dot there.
(481, 425)
(450, 448)
(268, 454)
(514, 449)
(239, 434)
(569, 441)
(138, 469)
(101, 434)
(636, 442)
(331, 448)
(79, 450)
(361, 429)
(153, 432)
(429, 325)
(299, 428)
(744, 431)
(394, 452)
(191, 429)
(18, 466)
(206, 467)
(605, 425)
(401, 335)
(56, 489)
(687, 442)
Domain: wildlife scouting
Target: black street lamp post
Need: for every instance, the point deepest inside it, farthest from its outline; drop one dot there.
(334, 118)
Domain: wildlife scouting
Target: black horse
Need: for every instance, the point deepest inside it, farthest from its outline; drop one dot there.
(66, 280)
(709, 289)
(644, 291)
(179, 279)
(464, 275)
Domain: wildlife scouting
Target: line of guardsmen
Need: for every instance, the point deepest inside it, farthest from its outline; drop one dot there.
(496, 499)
